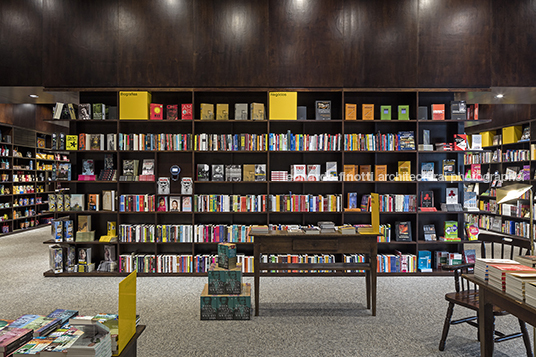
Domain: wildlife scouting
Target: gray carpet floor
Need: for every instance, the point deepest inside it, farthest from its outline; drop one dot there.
(305, 316)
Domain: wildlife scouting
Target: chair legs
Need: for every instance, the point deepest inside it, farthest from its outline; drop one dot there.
(446, 326)
(526, 338)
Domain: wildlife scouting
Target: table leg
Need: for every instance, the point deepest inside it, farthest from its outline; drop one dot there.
(486, 322)
(373, 279)
(257, 272)
(367, 281)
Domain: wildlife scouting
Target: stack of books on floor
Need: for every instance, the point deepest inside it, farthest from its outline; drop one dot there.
(516, 284)
(225, 297)
(482, 265)
(497, 273)
(61, 333)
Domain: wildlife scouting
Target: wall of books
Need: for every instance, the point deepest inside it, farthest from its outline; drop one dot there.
(162, 177)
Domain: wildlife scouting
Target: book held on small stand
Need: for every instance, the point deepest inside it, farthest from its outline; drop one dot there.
(225, 297)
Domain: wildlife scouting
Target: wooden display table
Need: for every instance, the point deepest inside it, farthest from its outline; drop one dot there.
(131, 348)
(488, 297)
(279, 242)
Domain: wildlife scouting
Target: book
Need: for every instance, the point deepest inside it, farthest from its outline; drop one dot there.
(469, 257)
(451, 230)
(424, 261)
(257, 111)
(476, 172)
(451, 195)
(156, 111)
(84, 111)
(427, 199)
(403, 231)
(460, 142)
(218, 172)
(470, 201)
(422, 113)
(147, 168)
(77, 202)
(298, 172)
(162, 205)
(438, 111)
(84, 256)
(323, 109)
(249, 172)
(164, 187)
(352, 201)
(302, 112)
(99, 111)
(203, 172)
(449, 169)
(365, 172)
(88, 167)
(427, 171)
(207, 111)
(403, 112)
(260, 172)
(174, 204)
(367, 111)
(350, 173)
(172, 112)
(96, 142)
(187, 204)
(350, 111)
(111, 142)
(429, 232)
(406, 140)
(222, 111)
(241, 111)
(404, 171)
(108, 200)
(380, 172)
(63, 172)
(385, 112)
(186, 112)
(331, 171)
(313, 172)
(71, 142)
(93, 202)
(187, 186)
(458, 110)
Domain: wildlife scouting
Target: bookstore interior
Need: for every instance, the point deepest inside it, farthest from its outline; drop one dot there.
(174, 173)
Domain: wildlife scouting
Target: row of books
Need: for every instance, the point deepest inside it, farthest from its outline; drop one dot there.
(388, 202)
(65, 202)
(305, 203)
(80, 260)
(230, 203)
(403, 140)
(220, 172)
(397, 263)
(496, 224)
(175, 263)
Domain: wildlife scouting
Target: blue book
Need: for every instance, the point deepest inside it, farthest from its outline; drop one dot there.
(63, 315)
(425, 261)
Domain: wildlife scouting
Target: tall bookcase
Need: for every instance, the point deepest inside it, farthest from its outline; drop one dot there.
(25, 173)
(503, 157)
(441, 131)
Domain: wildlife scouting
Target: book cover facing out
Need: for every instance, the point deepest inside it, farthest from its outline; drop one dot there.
(385, 112)
(423, 113)
(438, 111)
(323, 110)
(403, 112)
(367, 111)
(172, 112)
(157, 111)
(350, 111)
(283, 106)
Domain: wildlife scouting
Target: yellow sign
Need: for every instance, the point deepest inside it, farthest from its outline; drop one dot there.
(283, 106)
(127, 311)
(134, 105)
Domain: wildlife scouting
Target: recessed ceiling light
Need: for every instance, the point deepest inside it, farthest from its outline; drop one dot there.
(499, 96)
(33, 96)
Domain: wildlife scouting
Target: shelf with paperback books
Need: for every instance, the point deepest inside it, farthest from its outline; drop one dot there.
(278, 144)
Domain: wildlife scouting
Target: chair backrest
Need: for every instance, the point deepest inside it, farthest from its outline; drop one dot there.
(495, 247)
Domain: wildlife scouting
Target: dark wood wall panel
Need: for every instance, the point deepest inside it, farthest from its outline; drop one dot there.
(6, 113)
(21, 40)
(231, 43)
(454, 43)
(513, 42)
(80, 45)
(155, 43)
(501, 115)
(306, 43)
(380, 43)
(24, 115)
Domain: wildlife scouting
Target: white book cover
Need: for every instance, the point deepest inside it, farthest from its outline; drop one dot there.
(476, 142)
(331, 171)
(313, 172)
(452, 196)
(298, 172)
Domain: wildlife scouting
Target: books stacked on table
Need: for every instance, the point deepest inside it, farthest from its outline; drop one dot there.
(12, 339)
(481, 266)
(327, 227)
(497, 273)
(258, 230)
(225, 297)
(516, 284)
(528, 260)
(347, 229)
(530, 294)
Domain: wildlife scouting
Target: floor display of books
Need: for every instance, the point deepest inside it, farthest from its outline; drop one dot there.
(62, 332)
(225, 297)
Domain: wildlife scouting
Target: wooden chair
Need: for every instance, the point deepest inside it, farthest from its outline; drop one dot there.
(466, 294)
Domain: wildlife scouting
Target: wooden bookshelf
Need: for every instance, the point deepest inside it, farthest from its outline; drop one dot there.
(441, 131)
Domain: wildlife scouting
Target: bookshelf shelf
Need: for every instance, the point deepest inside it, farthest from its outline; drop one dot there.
(275, 160)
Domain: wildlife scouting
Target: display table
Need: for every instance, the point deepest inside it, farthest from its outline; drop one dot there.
(489, 296)
(280, 242)
(131, 348)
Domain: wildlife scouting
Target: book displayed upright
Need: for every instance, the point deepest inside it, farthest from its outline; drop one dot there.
(403, 112)
(323, 110)
(385, 112)
(438, 111)
(350, 111)
(368, 111)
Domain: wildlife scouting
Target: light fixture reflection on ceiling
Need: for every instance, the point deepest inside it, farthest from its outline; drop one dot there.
(499, 96)
(33, 96)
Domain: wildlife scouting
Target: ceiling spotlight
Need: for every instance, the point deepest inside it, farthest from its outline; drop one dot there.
(33, 96)
(499, 96)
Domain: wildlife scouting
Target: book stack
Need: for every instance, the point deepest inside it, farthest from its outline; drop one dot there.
(497, 273)
(258, 230)
(84, 232)
(482, 266)
(530, 294)
(528, 260)
(327, 227)
(12, 339)
(225, 297)
(516, 283)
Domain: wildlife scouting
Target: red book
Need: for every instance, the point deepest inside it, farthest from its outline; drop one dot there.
(157, 111)
(172, 112)
(438, 111)
(186, 112)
